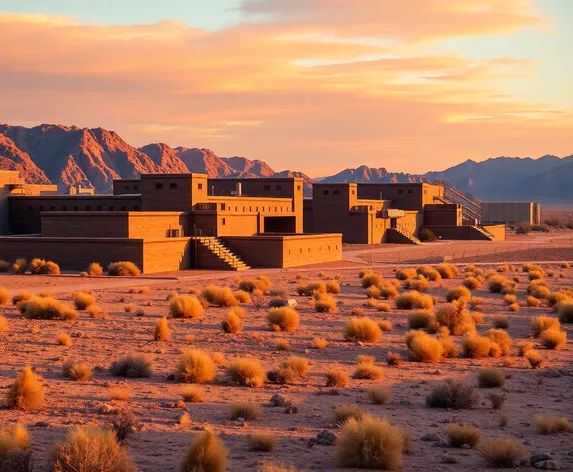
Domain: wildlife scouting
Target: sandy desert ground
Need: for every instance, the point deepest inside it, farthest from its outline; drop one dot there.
(156, 401)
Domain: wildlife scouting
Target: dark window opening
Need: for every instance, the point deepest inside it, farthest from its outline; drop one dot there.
(173, 185)
(158, 186)
(136, 187)
(200, 186)
(353, 192)
(279, 187)
(267, 187)
(410, 191)
(325, 192)
(335, 192)
(298, 187)
(53, 208)
(42, 208)
(400, 190)
(136, 208)
(123, 208)
(128, 187)
(223, 221)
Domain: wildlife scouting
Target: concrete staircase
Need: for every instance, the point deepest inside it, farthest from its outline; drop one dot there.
(486, 234)
(401, 236)
(211, 253)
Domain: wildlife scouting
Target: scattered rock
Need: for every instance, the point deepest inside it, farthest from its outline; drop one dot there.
(278, 400)
(292, 302)
(548, 465)
(539, 457)
(240, 419)
(431, 437)
(325, 438)
(291, 410)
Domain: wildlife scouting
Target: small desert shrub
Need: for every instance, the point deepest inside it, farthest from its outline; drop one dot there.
(373, 292)
(5, 266)
(393, 359)
(192, 394)
(248, 372)
(219, 296)
(497, 400)
(277, 302)
(476, 302)
(378, 395)
(418, 282)
(497, 283)
(91, 450)
(510, 298)
(449, 348)
(282, 344)
(120, 394)
(4, 328)
(478, 347)
(500, 337)
(524, 347)
(162, 330)
(317, 286)
(332, 287)
(123, 269)
(20, 266)
(248, 411)
(553, 338)
(337, 378)
(532, 301)
(95, 268)
(460, 434)
(418, 319)
(261, 283)
(343, 413)
(283, 319)
(242, 296)
(534, 275)
(206, 453)
(514, 307)
(185, 306)
(424, 348)
(131, 367)
(82, 300)
(298, 365)
(565, 312)
(502, 452)
(427, 235)
(324, 303)
(383, 307)
(458, 293)
(130, 307)
(64, 339)
(541, 323)
(12, 439)
(123, 424)
(534, 358)
(549, 424)
(4, 297)
(367, 371)
(412, 300)
(27, 391)
(369, 443)
(262, 442)
(362, 329)
(500, 322)
(387, 290)
(47, 309)
(447, 271)
(490, 377)
(429, 272)
(232, 323)
(318, 343)
(94, 311)
(195, 366)
(453, 394)
(385, 325)
(406, 273)
(81, 372)
(471, 283)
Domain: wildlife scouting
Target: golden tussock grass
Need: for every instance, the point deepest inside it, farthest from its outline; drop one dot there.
(363, 359)
(362, 329)
(262, 442)
(532, 301)
(95, 268)
(337, 378)
(461, 434)
(502, 452)
(553, 339)
(418, 282)
(541, 323)
(406, 273)
(129, 308)
(370, 443)
(479, 347)
(20, 266)
(423, 348)
(419, 319)
(283, 319)
(192, 394)
(276, 467)
(80, 372)
(476, 302)
(514, 307)
(232, 323)
(206, 453)
(132, 366)
(219, 296)
(4, 327)
(120, 394)
(242, 296)
(324, 303)
(261, 283)
(429, 272)
(453, 394)
(490, 377)
(4, 297)
(471, 283)
(455, 317)
(447, 271)
(282, 344)
(94, 311)
(64, 339)
(247, 372)
(123, 269)
(318, 343)
(332, 287)
(497, 400)
(393, 359)
(12, 439)
(510, 298)
(27, 391)
(343, 413)
(383, 307)
(371, 280)
(185, 306)
(565, 312)
(162, 330)
(298, 365)
(248, 411)
(311, 288)
(414, 300)
(458, 293)
(385, 325)
(534, 358)
(47, 309)
(550, 424)
(368, 372)
(195, 366)
(91, 449)
(501, 338)
(378, 395)
(82, 300)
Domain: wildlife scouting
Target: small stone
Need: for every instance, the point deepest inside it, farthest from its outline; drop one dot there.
(325, 438)
(278, 400)
(292, 302)
(539, 457)
(431, 437)
(548, 465)
(465, 446)
(291, 410)
(240, 419)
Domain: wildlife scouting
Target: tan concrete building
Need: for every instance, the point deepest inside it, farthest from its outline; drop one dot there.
(511, 212)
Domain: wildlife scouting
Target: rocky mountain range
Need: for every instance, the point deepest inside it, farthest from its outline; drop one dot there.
(68, 155)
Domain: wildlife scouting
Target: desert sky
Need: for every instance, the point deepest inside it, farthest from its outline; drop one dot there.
(309, 85)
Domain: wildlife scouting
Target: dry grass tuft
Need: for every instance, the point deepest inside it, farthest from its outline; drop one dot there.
(206, 453)
(362, 329)
(219, 296)
(448, 271)
(423, 348)
(453, 394)
(553, 339)
(282, 344)
(368, 372)
(123, 269)
(490, 377)
(95, 268)
(242, 296)
(532, 301)
(550, 424)
(324, 303)
(318, 343)
(379, 395)
(418, 282)
(458, 293)
(120, 394)
(406, 273)
(343, 413)
(565, 311)
(248, 411)
(12, 439)
(232, 323)
(337, 378)
(514, 307)
(81, 372)
(162, 330)
(370, 443)
(429, 272)
(541, 323)
(283, 319)
(195, 366)
(4, 328)
(91, 450)
(419, 319)
(471, 283)
(478, 347)
(414, 300)
(456, 318)
(394, 359)
(501, 338)
(64, 339)
(460, 435)
(247, 372)
(27, 391)
(502, 452)
(497, 400)
(534, 358)
(130, 307)
(262, 442)
(46, 309)
(4, 297)
(82, 300)
(20, 266)
(192, 394)
(500, 322)
(132, 367)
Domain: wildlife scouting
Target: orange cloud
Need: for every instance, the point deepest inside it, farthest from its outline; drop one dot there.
(270, 89)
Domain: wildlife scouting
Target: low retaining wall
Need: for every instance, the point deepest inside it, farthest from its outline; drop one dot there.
(467, 232)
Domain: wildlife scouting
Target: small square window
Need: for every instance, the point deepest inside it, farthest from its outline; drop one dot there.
(267, 187)
(279, 187)
(325, 192)
(335, 192)
(200, 186)
(52, 207)
(410, 191)
(223, 221)
(353, 192)
(173, 185)
(400, 190)
(158, 186)
(136, 187)
(298, 187)
(42, 208)
(135, 208)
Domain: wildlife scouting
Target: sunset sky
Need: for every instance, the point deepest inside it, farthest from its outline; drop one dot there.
(310, 85)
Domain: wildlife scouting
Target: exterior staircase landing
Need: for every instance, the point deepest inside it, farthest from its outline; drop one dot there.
(211, 253)
(401, 236)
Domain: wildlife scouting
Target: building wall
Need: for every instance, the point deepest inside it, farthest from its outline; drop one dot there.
(158, 224)
(514, 212)
(84, 224)
(25, 211)
(468, 232)
(288, 250)
(164, 255)
(442, 214)
(172, 192)
(406, 196)
(126, 186)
